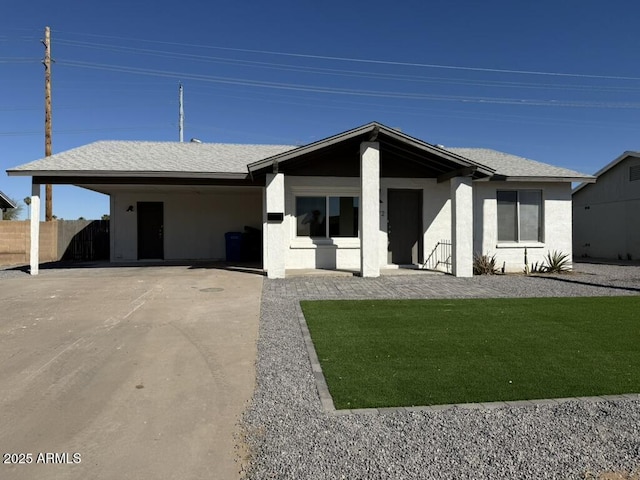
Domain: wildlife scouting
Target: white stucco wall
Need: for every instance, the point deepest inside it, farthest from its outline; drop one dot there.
(462, 226)
(369, 208)
(275, 233)
(556, 221)
(344, 253)
(195, 221)
(606, 215)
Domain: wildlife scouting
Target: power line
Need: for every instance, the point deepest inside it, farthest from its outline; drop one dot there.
(336, 99)
(342, 72)
(371, 61)
(440, 113)
(23, 29)
(343, 91)
(18, 60)
(5, 38)
(20, 133)
(167, 103)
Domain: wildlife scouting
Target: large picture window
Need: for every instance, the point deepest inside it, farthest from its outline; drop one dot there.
(519, 215)
(327, 217)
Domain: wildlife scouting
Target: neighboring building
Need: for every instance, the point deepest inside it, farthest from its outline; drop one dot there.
(606, 214)
(366, 199)
(5, 203)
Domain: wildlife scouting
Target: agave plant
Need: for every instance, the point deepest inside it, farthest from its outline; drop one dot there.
(539, 267)
(484, 265)
(557, 262)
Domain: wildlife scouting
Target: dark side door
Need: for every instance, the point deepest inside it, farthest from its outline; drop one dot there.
(150, 230)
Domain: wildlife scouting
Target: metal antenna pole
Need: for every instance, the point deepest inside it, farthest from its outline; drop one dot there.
(180, 113)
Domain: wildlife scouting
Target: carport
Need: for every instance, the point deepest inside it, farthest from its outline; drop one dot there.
(168, 200)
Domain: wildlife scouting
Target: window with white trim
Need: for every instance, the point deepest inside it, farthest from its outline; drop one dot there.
(519, 215)
(327, 216)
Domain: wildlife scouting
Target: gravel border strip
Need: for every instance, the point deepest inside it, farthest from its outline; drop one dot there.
(321, 383)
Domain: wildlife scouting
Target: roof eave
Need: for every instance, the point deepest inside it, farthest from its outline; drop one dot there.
(546, 179)
(616, 161)
(609, 166)
(120, 173)
(4, 200)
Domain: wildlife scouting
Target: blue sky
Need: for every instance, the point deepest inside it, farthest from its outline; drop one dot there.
(557, 82)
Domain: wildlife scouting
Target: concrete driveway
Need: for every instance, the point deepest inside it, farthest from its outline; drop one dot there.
(142, 372)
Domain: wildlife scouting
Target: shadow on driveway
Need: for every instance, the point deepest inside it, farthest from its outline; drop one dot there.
(254, 268)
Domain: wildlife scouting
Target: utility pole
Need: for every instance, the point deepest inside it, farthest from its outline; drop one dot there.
(48, 215)
(180, 113)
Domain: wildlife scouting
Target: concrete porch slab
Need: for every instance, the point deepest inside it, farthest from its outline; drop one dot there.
(394, 270)
(318, 272)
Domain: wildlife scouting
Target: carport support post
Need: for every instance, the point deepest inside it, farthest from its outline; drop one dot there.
(369, 208)
(275, 247)
(34, 251)
(462, 226)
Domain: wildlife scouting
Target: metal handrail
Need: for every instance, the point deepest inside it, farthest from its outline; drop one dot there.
(440, 255)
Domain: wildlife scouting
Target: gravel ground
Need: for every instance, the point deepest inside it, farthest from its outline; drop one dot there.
(291, 436)
(11, 272)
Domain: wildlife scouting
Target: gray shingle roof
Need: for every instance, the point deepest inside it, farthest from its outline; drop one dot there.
(170, 157)
(125, 157)
(515, 166)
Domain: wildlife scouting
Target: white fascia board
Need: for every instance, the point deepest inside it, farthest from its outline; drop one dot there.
(120, 174)
(586, 179)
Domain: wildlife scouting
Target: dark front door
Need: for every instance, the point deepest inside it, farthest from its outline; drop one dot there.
(404, 226)
(150, 230)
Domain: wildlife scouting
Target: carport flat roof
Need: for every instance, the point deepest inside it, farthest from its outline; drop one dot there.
(151, 159)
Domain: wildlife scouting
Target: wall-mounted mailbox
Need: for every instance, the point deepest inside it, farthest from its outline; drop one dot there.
(275, 217)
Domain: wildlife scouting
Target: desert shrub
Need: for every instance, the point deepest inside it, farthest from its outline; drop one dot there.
(538, 267)
(484, 265)
(557, 262)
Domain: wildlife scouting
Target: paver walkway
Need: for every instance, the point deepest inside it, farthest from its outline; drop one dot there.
(585, 280)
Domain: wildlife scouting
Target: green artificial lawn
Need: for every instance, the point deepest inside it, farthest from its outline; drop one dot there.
(386, 353)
